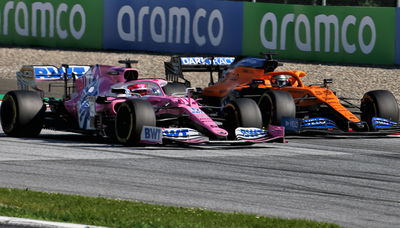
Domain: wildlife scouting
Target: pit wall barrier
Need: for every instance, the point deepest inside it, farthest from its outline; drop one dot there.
(364, 35)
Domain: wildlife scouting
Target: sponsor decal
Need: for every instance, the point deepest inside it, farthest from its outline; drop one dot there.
(176, 132)
(173, 26)
(86, 102)
(290, 124)
(250, 133)
(151, 135)
(52, 72)
(318, 123)
(382, 123)
(180, 133)
(340, 34)
(321, 21)
(207, 61)
(73, 23)
(195, 110)
(46, 15)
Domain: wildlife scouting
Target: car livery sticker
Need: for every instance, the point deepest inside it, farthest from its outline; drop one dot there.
(250, 133)
(152, 135)
(85, 111)
(54, 73)
(382, 123)
(207, 60)
(196, 110)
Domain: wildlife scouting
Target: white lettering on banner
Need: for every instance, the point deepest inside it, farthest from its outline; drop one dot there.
(143, 12)
(158, 37)
(9, 6)
(349, 20)
(170, 26)
(45, 15)
(216, 15)
(178, 13)
(77, 10)
(42, 8)
(367, 21)
(60, 32)
(269, 44)
(285, 21)
(303, 35)
(306, 45)
(130, 35)
(22, 30)
(200, 40)
(327, 21)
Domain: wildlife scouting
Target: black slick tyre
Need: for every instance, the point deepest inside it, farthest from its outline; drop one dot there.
(22, 113)
(379, 103)
(275, 105)
(242, 112)
(131, 116)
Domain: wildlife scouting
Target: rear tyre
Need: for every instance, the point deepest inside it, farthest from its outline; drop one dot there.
(22, 113)
(242, 112)
(275, 105)
(174, 87)
(131, 116)
(379, 103)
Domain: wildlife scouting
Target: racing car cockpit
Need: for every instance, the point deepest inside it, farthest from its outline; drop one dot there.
(144, 88)
(280, 81)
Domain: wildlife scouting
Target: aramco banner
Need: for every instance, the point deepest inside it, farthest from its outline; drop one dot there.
(321, 33)
(367, 35)
(52, 23)
(205, 26)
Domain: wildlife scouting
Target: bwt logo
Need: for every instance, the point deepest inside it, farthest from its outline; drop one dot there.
(252, 132)
(176, 133)
(163, 23)
(45, 15)
(152, 133)
(50, 70)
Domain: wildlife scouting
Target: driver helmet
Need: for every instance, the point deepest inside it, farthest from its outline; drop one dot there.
(280, 80)
(138, 89)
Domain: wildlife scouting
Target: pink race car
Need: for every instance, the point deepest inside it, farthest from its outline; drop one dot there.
(111, 101)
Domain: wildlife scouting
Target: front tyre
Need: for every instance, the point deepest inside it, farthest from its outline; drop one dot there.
(22, 113)
(379, 103)
(242, 112)
(131, 116)
(275, 105)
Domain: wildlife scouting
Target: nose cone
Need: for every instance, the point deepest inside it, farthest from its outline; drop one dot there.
(221, 132)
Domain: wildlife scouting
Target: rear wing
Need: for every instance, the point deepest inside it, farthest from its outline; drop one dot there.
(43, 72)
(28, 75)
(177, 65)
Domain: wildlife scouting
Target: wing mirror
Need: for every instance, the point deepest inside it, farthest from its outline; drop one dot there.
(327, 81)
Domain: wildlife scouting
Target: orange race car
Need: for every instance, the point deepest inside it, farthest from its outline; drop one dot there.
(284, 99)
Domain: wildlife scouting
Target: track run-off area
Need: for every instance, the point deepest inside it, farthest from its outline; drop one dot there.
(350, 181)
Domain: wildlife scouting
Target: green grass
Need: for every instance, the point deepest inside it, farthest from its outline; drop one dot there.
(121, 213)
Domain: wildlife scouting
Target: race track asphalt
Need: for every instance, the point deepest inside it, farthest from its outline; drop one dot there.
(351, 181)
